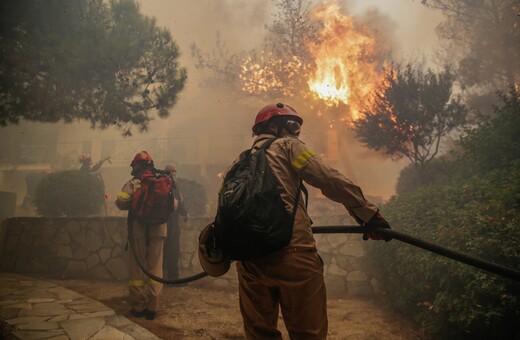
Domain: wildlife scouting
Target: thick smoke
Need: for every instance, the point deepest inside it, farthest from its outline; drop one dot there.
(240, 25)
(212, 121)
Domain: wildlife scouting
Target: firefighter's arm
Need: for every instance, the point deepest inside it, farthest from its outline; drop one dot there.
(124, 197)
(98, 165)
(331, 182)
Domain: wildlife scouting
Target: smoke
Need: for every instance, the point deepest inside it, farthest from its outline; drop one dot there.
(213, 123)
(362, 165)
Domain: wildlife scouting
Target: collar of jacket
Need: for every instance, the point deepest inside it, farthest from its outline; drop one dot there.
(260, 139)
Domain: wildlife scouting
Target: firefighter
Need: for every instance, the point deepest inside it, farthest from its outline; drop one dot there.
(86, 164)
(291, 279)
(172, 245)
(144, 293)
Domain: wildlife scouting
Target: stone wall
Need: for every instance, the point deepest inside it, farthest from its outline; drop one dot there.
(65, 247)
(94, 247)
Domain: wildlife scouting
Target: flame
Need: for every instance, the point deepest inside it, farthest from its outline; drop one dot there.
(343, 68)
(330, 84)
(344, 55)
(260, 74)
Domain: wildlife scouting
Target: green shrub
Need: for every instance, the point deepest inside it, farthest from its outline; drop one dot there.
(495, 143)
(194, 195)
(69, 193)
(469, 203)
(479, 216)
(412, 178)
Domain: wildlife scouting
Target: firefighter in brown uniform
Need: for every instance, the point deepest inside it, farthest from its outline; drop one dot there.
(144, 293)
(292, 278)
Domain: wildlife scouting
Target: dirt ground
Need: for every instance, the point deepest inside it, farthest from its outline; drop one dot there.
(201, 310)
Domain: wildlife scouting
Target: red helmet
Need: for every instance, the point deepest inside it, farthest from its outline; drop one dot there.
(142, 157)
(273, 110)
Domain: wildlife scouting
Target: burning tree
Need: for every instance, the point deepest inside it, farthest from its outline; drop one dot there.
(322, 57)
(348, 56)
(337, 65)
(411, 115)
(274, 69)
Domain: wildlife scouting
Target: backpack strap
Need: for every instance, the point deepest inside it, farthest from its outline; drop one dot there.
(265, 145)
(298, 199)
(301, 187)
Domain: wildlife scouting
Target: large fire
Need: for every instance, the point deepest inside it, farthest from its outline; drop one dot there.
(344, 67)
(344, 55)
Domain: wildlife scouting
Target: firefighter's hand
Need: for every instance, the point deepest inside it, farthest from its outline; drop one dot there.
(377, 221)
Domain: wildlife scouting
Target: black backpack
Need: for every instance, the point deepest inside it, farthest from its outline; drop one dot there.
(251, 217)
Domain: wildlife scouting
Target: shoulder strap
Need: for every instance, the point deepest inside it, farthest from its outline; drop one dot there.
(265, 145)
(301, 187)
(295, 208)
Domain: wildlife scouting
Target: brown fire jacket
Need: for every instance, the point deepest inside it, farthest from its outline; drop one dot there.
(291, 160)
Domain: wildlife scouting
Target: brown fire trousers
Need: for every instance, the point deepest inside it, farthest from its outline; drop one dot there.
(144, 292)
(277, 282)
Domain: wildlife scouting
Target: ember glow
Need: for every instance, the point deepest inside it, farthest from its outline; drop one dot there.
(344, 56)
(262, 74)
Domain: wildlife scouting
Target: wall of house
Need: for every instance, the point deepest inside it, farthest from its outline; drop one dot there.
(94, 247)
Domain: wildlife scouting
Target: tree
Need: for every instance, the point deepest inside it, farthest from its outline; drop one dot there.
(495, 142)
(225, 64)
(69, 193)
(483, 36)
(471, 204)
(85, 60)
(291, 27)
(275, 68)
(411, 115)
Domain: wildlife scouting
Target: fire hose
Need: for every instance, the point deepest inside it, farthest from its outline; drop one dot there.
(147, 272)
(432, 247)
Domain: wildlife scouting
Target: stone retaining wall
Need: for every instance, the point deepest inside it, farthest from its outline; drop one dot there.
(65, 247)
(94, 247)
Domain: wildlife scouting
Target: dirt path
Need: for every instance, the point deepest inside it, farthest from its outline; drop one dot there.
(203, 311)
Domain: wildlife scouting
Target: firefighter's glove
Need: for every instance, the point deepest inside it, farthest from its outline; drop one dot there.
(377, 221)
